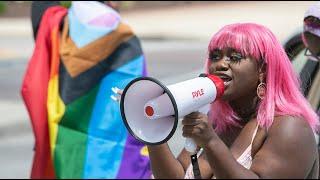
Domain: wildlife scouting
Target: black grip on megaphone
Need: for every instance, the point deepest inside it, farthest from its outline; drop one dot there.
(203, 75)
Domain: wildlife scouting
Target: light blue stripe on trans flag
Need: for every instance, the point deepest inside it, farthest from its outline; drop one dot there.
(107, 134)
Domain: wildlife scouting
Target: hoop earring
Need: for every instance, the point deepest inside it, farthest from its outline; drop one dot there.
(261, 90)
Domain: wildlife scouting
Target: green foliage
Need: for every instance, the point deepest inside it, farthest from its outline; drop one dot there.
(127, 4)
(3, 7)
(66, 4)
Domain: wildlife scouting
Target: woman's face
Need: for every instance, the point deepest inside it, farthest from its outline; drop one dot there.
(239, 73)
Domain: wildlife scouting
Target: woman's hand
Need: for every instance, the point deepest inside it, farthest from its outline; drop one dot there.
(197, 127)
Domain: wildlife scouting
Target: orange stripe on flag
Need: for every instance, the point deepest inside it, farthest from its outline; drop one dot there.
(55, 59)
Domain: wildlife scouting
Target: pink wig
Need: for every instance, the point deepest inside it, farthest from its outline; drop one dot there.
(283, 94)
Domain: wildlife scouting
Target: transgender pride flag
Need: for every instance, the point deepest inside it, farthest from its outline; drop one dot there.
(69, 99)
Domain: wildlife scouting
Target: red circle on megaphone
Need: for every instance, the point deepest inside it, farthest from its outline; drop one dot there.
(149, 111)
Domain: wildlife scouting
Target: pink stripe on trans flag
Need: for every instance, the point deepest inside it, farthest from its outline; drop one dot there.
(105, 20)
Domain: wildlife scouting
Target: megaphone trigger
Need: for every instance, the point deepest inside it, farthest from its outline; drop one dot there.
(118, 93)
(116, 90)
(114, 98)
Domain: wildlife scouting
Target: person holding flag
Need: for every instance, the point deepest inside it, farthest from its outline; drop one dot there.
(80, 54)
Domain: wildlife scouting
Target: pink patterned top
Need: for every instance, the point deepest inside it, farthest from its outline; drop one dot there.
(244, 159)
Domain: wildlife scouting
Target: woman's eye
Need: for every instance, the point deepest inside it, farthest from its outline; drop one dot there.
(236, 57)
(215, 57)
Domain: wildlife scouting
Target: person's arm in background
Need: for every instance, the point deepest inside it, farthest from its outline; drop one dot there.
(37, 10)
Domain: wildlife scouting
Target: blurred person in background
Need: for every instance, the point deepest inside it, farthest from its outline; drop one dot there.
(80, 54)
(311, 34)
(262, 127)
(311, 39)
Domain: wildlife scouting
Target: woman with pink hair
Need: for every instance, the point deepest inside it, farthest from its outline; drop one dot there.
(262, 127)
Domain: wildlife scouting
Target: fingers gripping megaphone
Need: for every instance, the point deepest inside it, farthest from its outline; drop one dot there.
(150, 110)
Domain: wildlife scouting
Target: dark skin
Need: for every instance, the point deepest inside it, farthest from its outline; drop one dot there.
(313, 42)
(287, 150)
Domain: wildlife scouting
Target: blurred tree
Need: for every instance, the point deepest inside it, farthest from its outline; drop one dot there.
(2, 7)
(66, 4)
(127, 4)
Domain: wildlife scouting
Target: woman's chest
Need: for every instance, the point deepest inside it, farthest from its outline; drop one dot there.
(250, 139)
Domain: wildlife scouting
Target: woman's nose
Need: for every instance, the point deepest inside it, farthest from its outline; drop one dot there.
(223, 64)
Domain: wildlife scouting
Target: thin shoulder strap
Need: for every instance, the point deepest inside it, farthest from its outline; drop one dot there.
(254, 134)
(199, 152)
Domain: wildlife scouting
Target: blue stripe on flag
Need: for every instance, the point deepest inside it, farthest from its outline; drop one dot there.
(107, 134)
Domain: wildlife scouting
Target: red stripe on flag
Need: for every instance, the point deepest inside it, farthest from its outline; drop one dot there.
(34, 91)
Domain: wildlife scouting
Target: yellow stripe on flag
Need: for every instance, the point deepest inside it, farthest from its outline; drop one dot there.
(56, 109)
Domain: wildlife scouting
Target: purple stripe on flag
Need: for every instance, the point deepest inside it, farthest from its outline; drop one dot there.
(144, 71)
(134, 164)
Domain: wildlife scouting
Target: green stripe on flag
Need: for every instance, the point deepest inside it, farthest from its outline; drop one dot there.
(72, 137)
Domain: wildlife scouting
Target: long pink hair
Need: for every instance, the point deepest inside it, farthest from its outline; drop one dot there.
(283, 94)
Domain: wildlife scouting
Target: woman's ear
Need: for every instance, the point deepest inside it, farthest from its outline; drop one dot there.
(262, 77)
(262, 73)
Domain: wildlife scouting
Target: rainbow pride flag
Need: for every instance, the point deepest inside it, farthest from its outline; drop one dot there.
(78, 127)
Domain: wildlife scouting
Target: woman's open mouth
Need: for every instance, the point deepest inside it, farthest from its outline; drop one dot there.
(226, 78)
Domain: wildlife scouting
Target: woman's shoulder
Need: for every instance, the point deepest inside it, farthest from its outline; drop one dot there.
(290, 123)
(291, 139)
(291, 129)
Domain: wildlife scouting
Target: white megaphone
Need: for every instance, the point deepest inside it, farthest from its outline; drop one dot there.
(151, 111)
